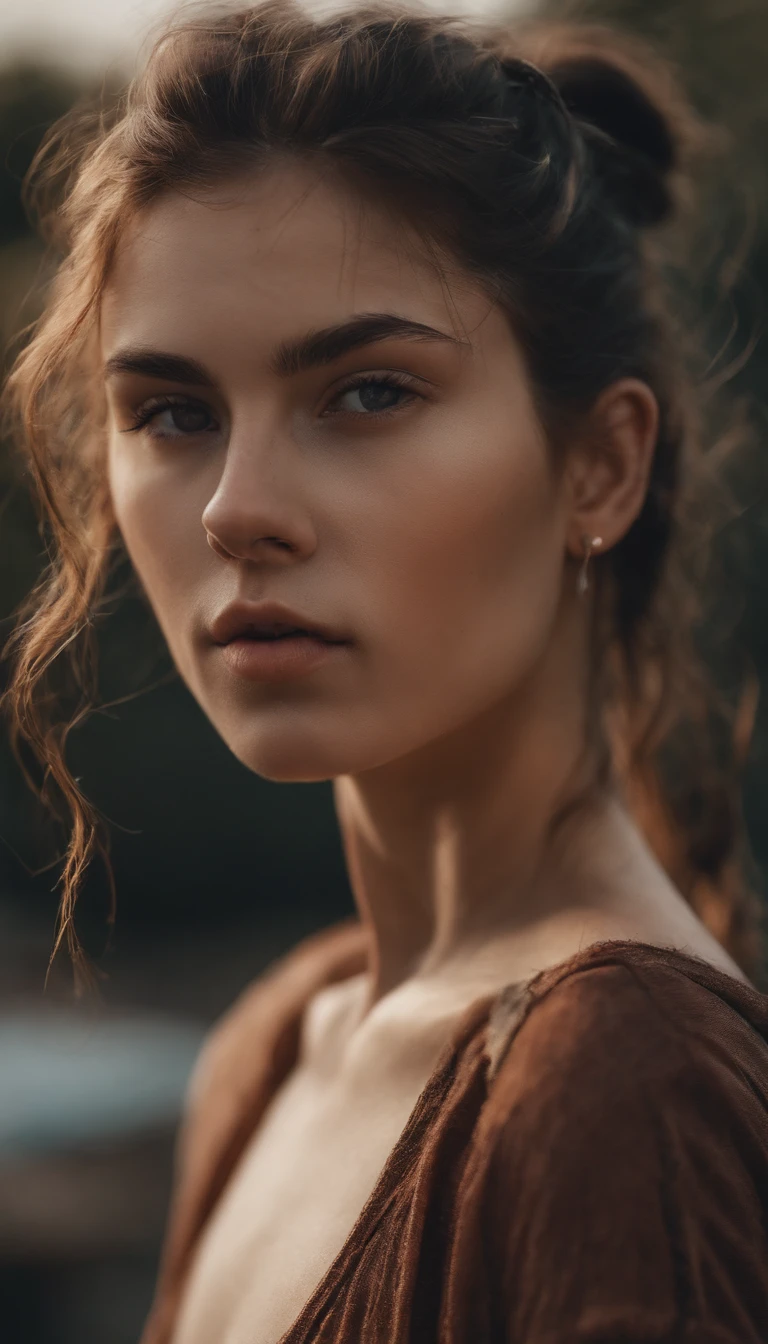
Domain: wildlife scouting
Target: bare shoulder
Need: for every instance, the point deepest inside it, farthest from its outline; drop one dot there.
(240, 1042)
(329, 1021)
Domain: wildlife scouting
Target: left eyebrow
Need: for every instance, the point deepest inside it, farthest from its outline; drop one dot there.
(292, 356)
(323, 347)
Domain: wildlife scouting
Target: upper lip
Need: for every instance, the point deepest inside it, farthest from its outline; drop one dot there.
(250, 618)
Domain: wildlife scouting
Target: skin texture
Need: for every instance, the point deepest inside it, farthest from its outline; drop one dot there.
(438, 535)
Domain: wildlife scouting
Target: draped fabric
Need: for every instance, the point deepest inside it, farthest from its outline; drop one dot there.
(587, 1164)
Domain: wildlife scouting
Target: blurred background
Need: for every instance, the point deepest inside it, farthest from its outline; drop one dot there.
(218, 871)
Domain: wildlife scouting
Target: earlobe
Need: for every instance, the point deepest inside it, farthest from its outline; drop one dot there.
(610, 465)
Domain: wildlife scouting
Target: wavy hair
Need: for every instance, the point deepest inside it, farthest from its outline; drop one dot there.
(545, 158)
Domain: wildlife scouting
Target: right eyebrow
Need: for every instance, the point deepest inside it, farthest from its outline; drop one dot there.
(294, 356)
(158, 364)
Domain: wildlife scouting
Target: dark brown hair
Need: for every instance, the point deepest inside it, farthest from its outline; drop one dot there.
(541, 157)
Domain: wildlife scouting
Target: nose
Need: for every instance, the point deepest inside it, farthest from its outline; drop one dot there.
(252, 549)
(252, 516)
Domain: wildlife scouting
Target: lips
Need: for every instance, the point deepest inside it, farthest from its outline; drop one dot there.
(279, 659)
(289, 632)
(269, 621)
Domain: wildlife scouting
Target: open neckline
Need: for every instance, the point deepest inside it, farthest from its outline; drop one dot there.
(401, 1155)
(473, 1018)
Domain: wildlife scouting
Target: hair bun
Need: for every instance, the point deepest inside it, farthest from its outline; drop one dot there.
(627, 100)
(631, 139)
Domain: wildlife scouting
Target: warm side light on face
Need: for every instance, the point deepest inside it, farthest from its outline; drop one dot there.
(278, 369)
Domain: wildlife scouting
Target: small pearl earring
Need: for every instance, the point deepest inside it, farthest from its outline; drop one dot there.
(590, 544)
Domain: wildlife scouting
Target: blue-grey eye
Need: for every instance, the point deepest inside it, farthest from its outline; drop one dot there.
(373, 396)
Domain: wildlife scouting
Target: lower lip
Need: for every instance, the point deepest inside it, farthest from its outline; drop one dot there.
(271, 660)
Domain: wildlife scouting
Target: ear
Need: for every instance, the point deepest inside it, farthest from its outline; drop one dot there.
(609, 465)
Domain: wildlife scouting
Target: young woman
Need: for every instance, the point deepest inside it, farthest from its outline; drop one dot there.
(359, 347)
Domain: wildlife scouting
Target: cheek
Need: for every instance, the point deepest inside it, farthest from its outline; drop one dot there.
(155, 521)
(476, 579)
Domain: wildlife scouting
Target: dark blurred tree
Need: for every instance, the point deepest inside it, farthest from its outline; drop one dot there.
(32, 97)
(720, 48)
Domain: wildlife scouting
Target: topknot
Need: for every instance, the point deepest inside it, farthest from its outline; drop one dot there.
(640, 133)
(629, 138)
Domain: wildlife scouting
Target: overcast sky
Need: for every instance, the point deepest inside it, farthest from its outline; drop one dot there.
(93, 33)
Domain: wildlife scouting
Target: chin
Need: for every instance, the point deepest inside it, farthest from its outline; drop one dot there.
(288, 757)
(309, 743)
(293, 754)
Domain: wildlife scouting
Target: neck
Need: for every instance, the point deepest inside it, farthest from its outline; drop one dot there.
(450, 849)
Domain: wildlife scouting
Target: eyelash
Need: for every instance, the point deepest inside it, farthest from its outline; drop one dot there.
(397, 380)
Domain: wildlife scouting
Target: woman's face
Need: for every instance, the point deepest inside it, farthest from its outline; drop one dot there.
(399, 490)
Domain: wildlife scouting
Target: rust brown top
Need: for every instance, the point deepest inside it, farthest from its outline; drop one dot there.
(587, 1163)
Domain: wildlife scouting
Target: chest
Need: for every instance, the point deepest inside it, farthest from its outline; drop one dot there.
(290, 1205)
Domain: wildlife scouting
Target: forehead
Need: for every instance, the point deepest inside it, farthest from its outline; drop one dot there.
(272, 250)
